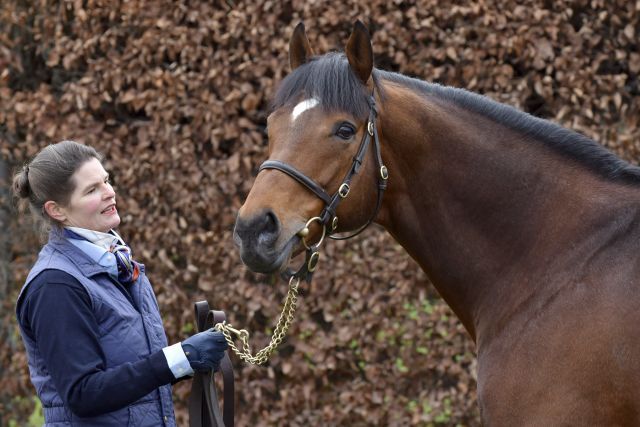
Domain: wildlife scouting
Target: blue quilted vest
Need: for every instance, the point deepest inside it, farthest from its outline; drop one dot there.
(127, 335)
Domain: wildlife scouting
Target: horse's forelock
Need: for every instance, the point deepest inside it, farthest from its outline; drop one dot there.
(329, 79)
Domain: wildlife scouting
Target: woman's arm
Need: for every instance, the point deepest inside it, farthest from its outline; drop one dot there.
(57, 312)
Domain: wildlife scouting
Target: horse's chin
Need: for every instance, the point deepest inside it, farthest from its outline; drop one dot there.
(275, 261)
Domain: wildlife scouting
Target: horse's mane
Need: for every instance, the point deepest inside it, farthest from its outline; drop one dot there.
(329, 79)
(565, 141)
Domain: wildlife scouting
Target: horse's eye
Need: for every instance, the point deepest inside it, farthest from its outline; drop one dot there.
(345, 131)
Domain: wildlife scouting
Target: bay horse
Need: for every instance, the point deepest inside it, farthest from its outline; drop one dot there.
(529, 231)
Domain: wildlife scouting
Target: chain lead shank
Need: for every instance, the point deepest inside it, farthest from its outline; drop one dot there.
(286, 317)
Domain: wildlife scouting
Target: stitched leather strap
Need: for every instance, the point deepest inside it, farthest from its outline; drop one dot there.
(294, 173)
(204, 410)
(226, 368)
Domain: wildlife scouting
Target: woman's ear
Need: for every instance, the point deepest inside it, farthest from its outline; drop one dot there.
(55, 211)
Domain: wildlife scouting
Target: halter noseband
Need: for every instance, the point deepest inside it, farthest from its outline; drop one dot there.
(328, 219)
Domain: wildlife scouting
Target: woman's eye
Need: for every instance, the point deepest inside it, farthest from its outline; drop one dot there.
(345, 131)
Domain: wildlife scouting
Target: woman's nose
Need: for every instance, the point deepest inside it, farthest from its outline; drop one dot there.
(109, 192)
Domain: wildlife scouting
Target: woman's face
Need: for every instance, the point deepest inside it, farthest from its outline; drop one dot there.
(93, 201)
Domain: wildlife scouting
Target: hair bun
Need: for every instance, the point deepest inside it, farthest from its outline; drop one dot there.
(21, 187)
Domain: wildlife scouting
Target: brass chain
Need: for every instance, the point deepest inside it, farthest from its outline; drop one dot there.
(286, 317)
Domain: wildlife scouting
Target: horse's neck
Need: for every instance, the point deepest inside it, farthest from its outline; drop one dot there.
(480, 208)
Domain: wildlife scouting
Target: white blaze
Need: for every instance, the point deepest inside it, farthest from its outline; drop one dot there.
(305, 105)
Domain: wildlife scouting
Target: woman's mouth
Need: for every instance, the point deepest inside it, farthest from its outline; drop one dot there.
(110, 210)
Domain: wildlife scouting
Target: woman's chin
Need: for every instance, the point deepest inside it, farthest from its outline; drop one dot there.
(110, 223)
(115, 223)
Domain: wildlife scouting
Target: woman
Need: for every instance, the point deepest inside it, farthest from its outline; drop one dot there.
(98, 353)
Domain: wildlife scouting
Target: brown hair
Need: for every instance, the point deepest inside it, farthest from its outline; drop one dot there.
(48, 177)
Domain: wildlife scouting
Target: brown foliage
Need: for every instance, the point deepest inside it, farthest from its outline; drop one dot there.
(175, 94)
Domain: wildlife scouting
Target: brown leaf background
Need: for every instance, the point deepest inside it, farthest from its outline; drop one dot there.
(175, 94)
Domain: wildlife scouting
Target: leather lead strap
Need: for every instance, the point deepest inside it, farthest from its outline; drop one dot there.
(204, 410)
(227, 377)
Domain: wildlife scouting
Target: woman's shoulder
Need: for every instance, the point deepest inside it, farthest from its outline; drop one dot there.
(51, 288)
(54, 276)
(51, 280)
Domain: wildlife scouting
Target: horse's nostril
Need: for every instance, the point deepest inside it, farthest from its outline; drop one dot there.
(272, 225)
(270, 228)
(261, 229)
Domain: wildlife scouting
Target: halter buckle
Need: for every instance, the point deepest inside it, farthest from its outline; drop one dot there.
(313, 261)
(384, 173)
(370, 128)
(343, 191)
(334, 223)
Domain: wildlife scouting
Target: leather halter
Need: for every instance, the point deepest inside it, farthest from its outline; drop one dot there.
(328, 219)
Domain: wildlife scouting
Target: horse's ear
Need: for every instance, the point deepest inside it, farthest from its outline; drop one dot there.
(359, 52)
(299, 48)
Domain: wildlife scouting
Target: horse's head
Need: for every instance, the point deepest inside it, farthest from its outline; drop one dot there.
(318, 124)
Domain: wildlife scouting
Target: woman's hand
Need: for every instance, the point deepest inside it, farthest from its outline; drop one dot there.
(204, 350)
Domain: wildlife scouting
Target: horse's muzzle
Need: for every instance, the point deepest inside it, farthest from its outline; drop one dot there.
(257, 237)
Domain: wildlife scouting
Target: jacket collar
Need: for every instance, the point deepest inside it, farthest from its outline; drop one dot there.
(79, 258)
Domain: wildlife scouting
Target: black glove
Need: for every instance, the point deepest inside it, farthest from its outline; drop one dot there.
(204, 350)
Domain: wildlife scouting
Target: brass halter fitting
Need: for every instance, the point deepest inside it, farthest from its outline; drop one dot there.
(384, 173)
(305, 232)
(313, 261)
(343, 191)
